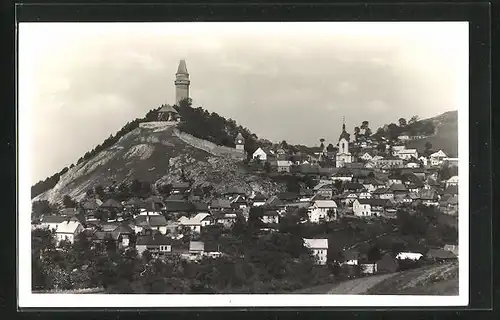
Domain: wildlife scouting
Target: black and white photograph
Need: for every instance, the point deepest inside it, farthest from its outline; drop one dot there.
(243, 164)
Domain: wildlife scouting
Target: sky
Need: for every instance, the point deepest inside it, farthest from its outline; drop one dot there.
(81, 82)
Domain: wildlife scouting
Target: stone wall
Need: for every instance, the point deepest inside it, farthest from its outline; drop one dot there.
(210, 147)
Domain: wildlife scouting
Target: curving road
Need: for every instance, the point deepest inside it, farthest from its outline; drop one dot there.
(358, 286)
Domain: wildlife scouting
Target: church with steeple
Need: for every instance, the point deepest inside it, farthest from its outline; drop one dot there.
(343, 155)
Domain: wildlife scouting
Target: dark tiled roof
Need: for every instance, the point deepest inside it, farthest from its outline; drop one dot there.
(54, 219)
(154, 221)
(440, 254)
(90, 204)
(178, 206)
(111, 203)
(453, 189)
(353, 186)
(259, 197)
(200, 206)
(220, 204)
(398, 187)
(155, 239)
(233, 190)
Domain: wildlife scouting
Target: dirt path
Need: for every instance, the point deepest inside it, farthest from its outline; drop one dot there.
(358, 286)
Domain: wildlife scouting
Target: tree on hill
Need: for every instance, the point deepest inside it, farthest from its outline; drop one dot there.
(402, 122)
(68, 202)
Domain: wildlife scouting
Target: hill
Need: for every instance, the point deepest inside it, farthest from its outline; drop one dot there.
(445, 136)
(439, 279)
(158, 153)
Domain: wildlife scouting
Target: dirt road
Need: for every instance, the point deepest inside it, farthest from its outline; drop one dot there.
(358, 286)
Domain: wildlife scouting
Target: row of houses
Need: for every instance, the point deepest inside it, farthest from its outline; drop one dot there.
(387, 263)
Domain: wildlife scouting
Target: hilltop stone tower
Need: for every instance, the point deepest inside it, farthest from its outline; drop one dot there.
(181, 82)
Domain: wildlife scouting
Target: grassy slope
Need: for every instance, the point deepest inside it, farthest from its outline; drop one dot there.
(164, 157)
(441, 279)
(446, 137)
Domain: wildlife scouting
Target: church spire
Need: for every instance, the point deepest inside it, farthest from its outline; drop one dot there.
(344, 133)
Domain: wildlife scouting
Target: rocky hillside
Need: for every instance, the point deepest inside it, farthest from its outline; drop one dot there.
(155, 153)
(445, 137)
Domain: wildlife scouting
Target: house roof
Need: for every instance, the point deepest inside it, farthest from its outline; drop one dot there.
(452, 189)
(428, 194)
(196, 246)
(325, 203)
(381, 190)
(274, 201)
(54, 219)
(111, 203)
(374, 202)
(167, 109)
(196, 220)
(152, 204)
(220, 204)
(156, 239)
(239, 199)
(178, 206)
(316, 243)
(259, 197)
(90, 204)
(200, 206)
(398, 187)
(68, 226)
(440, 254)
(154, 221)
(353, 186)
(233, 190)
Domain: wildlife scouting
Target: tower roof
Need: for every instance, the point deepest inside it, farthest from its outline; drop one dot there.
(239, 136)
(344, 133)
(182, 69)
(167, 108)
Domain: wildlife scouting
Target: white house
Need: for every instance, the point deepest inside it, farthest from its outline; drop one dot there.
(409, 256)
(407, 154)
(258, 200)
(52, 222)
(319, 210)
(284, 165)
(397, 149)
(319, 248)
(362, 208)
(194, 223)
(437, 158)
(67, 230)
(260, 154)
(453, 181)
